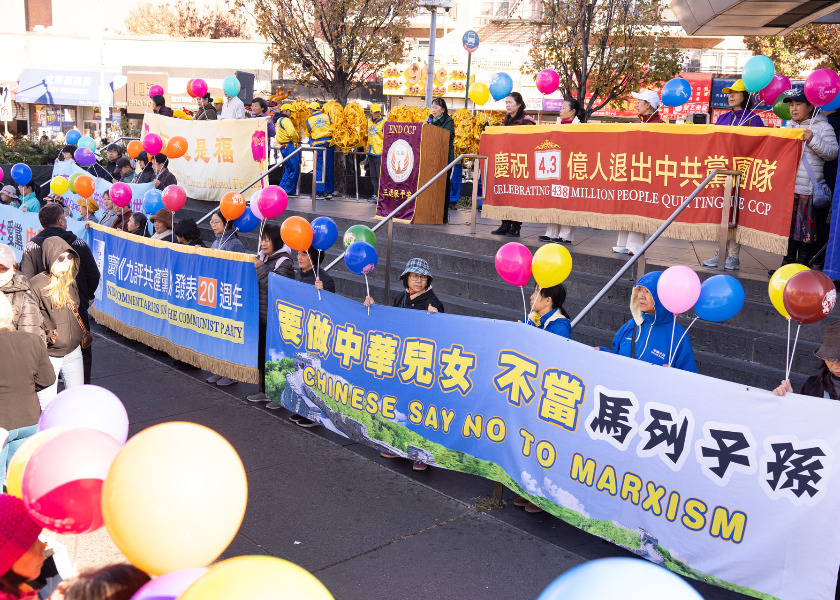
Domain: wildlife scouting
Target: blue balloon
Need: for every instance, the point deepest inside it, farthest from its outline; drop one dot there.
(626, 578)
(360, 258)
(21, 174)
(152, 202)
(247, 222)
(758, 73)
(833, 105)
(500, 85)
(87, 142)
(84, 157)
(721, 297)
(325, 232)
(231, 86)
(73, 136)
(676, 92)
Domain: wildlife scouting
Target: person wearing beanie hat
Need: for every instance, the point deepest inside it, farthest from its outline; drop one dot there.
(160, 106)
(162, 222)
(8, 195)
(21, 552)
(826, 383)
(87, 208)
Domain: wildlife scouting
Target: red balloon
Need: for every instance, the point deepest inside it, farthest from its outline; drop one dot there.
(174, 198)
(809, 296)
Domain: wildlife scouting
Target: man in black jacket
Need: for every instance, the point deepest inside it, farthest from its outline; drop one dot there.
(163, 178)
(87, 280)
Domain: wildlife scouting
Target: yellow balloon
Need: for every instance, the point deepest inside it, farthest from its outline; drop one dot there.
(479, 93)
(777, 285)
(14, 476)
(174, 497)
(552, 265)
(59, 185)
(263, 577)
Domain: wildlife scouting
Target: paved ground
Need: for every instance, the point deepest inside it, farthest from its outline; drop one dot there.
(366, 526)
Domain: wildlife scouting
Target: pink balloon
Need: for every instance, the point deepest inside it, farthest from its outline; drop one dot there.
(273, 201)
(678, 289)
(822, 86)
(774, 89)
(199, 88)
(155, 90)
(174, 198)
(152, 144)
(1, 175)
(87, 406)
(548, 81)
(62, 483)
(255, 206)
(170, 586)
(513, 263)
(120, 194)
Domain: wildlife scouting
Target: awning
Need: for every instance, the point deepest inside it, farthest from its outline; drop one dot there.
(73, 88)
(748, 17)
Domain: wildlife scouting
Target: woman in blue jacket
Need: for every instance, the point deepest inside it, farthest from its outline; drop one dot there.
(547, 311)
(647, 336)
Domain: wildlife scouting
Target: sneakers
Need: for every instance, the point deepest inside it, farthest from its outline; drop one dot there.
(712, 262)
(225, 381)
(419, 466)
(304, 422)
(732, 263)
(213, 378)
(532, 508)
(272, 405)
(260, 397)
(385, 454)
(320, 197)
(621, 250)
(295, 418)
(545, 238)
(520, 502)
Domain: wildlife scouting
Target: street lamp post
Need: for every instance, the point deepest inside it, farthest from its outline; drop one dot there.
(432, 6)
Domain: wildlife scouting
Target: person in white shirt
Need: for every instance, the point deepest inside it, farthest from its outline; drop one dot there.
(233, 108)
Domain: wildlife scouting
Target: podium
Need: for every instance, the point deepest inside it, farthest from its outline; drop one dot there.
(412, 154)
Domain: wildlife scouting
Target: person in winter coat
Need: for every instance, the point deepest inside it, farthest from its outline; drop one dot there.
(163, 178)
(188, 233)
(23, 553)
(145, 172)
(138, 225)
(57, 294)
(515, 108)
(274, 257)
(547, 311)
(9, 196)
(440, 118)
(113, 153)
(28, 200)
(308, 262)
(87, 209)
(26, 316)
(826, 383)
(207, 112)
(110, 215)
(162, 222)
(123, 217)
(160, 106)
(820, 146)
(570, 113)
(225, 232)
(647, 336)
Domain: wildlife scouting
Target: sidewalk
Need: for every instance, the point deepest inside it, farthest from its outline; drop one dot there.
(366, 526)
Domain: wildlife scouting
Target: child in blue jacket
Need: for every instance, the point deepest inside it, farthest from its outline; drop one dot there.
(651, 328)
(547, 310)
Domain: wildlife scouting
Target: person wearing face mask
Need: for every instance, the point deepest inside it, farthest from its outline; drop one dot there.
(23, 553)
(647, 336)
(26, 316)
(57, 295)
(163, 178)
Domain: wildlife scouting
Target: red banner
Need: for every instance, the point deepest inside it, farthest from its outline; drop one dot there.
(633, 176)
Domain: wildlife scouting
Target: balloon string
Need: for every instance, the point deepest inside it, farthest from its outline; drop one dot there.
(787, 357)
(671, 346)
(793, 352)
(367, 287)
(262, 224)
(681, 338)
(172, 232)
(317, 269)
(524, 306)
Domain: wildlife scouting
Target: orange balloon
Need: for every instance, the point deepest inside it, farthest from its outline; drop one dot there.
(296, 233)
(176, 148)
(134, 148)
(85, 186)
(232, 206)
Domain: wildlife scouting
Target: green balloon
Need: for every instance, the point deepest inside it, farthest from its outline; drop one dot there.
(782, 108)
(359, 233)
(72, 181)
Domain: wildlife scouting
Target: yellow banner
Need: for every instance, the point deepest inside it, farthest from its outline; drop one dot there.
(222, 156)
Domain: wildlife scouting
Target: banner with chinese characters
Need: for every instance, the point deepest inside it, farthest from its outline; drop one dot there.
(633, 177)
(400, 168)
(18, 227)
(701, 94)
(222, 156)
(71, 200)
(200, 306)
(711, 479)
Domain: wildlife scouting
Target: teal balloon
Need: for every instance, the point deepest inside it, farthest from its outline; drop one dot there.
(87, 142)
(231, 86)
(758, 73)
(721, 298)
(500, 86)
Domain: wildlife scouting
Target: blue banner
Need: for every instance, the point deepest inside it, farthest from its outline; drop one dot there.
(719, 98)
(71, 200)
(708, 478)
(199, 305)
(17, 227)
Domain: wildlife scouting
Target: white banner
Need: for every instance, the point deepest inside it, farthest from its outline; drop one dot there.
(222, 156)
(17, 227)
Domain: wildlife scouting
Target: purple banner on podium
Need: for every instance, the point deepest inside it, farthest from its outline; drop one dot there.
(400, 168)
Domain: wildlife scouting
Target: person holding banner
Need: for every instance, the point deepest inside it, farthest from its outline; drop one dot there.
(67, 153)
(9, 196)
(160, 106)
(163, 177)
(652, 333)
(123, 217)
(138, 225)
(826, 383)
(162, 222)
(307, 273)
(110, 215)
(29, 201)
(88, 208)
(376, 138)
(259, 108)
(555, 232)
(274, 257)
(226, 234)
(207, 111)
(58, 298)
(188, 233)
(319, 126)
(146, 174)
(288, 140)
(547, 311)
(123, 171)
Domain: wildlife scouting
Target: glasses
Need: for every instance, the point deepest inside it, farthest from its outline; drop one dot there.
(63, 258)
(416, 276)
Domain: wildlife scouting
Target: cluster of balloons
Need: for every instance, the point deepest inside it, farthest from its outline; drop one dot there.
(550, 265)
(501, 84)
(196, 88)
(84, 154)
(802, 295)
(360, 250)
(152, 143)
(77, 183)
(718, 299)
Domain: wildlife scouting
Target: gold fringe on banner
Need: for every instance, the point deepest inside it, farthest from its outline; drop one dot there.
(708, 232)
(187, 355)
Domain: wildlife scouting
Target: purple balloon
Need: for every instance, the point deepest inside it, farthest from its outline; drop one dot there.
(84, 157)
(170, 586)
(822, 86)
(88, 406)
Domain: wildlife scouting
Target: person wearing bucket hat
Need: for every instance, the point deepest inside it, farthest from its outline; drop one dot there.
(21, 552)
(9, 196)
(826, 383)
(418, 292)
(162, 222)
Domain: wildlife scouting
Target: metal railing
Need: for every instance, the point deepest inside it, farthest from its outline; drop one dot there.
(389, 219)
(639, 256)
